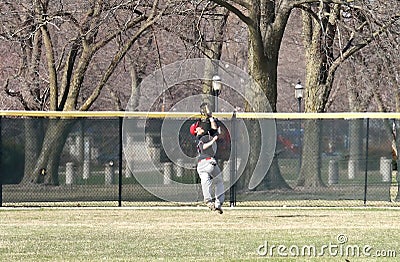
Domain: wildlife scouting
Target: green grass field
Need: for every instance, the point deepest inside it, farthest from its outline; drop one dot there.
(196, 234)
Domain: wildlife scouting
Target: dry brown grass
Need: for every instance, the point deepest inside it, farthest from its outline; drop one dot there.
(188, 233)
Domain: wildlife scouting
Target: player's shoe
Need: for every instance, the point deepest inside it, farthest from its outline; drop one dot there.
(211, 206)
(219, 210)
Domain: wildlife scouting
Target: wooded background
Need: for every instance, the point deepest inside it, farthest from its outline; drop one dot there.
(66, 55)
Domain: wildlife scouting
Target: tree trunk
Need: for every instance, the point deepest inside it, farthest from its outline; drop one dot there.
(33, 141)
(273, 178)
(49, 158)
(265, 38)
(356, 135)
(254, 140)
(397, 143)
(263, 63)
(135, 87)
(310, 174)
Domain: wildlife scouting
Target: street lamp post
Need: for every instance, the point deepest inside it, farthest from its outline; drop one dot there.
(216, 85)
(298, 93)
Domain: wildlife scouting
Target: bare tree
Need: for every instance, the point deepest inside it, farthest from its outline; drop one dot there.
(326, 50)
(200, 26)
(374, 81)
(266, 22)
(61, 44)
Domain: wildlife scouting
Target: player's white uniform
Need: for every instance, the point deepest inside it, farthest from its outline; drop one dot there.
(209, 172)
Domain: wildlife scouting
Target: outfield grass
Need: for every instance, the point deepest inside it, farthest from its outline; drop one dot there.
(196, 234)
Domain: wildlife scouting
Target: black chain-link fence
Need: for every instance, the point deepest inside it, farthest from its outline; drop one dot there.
(144, 160)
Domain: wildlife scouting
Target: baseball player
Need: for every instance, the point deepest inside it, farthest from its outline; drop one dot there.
(207, 168)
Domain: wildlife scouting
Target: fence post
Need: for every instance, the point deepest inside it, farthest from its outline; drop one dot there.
(69, 173)
(120, 122)
(179, 168)
(226, 170)
(168, 169)
(352, 169)
(129, 161)
(233, 163)
(366, 164)
(86, 169)
(1, 165)
(109, 174)
(385, 169)
(397, 198)
(333, 172)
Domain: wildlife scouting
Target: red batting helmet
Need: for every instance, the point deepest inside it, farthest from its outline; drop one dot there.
(193, 128)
